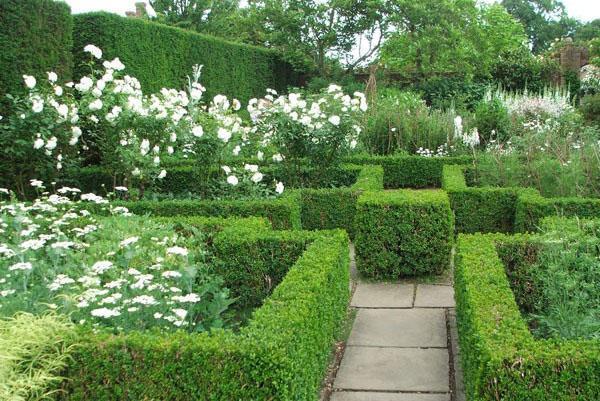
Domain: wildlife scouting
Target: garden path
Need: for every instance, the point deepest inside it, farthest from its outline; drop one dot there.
(402, 346)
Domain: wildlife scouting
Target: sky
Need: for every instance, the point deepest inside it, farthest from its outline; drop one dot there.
(584, 10)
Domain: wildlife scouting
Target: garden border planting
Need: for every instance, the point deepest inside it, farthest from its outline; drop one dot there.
(281, 354)
(501, 358)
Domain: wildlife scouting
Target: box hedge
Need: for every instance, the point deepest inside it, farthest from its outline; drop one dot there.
(283, 212)
(336, 207)
(162, 56)
(495, 209)
(282, 354)
(531, 207)
(501, 359)
(403, 233)
(479, 209)
(410, 171)
(35, 37)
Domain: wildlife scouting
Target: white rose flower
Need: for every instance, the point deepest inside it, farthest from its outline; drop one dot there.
(257, 177)
(38, 143)
(224, 134)
(232, 180)
(197, 131)
(52, 77)
(93, 50)
(58, 90)
(335, 120)
(30, 81)
(95, 105)
(279, 187)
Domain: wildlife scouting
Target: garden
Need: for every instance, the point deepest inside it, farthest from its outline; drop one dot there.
(183, 194)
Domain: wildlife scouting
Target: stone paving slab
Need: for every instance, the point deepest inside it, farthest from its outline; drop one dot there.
(434, 296)
(399, 328)
(372, 396)
(393, 369)
(383, 295)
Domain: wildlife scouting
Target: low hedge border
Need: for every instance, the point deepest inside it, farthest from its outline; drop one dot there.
(403, 233)
(336, 207)
(492, 209)
(410, 171)
(282, 354)
(501, 359)
(531, 207)
(479, 209)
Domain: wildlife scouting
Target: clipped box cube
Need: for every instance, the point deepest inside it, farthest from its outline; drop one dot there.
(403, 233)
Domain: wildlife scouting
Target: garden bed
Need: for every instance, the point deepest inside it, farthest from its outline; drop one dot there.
(501, 357)
(495, 209)
(281, 354)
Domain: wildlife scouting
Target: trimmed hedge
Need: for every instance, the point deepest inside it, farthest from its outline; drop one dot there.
(336, 207)
(282, 212)
(410, 171)
(531, 207)
(403, 233)
(282, 354)
(35, 37)
(479, 209)
(162, 56)
(501, 359)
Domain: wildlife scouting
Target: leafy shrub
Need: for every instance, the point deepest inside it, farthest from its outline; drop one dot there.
(519, 70)
(451, 92)
(492, 120)
(34, 351)
(590, 108)
(35, 37)
(161, 56)
(403, 233)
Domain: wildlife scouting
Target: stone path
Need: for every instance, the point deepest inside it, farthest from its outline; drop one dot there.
(402, 346)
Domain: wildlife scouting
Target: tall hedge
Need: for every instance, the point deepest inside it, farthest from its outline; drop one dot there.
(35, 37)
(162, 56)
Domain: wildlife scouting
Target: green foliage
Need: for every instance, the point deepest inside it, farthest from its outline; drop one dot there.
(448, 39)
(400, 121)
(336, 207)
(559, 278)
(478, 209)
(590, 108)
(451, 92)
(283, 212)
(501, 359)
(492, 120)
(518, 69)
(403, 233)
(409, 171)
(531, 207)
(35, 37)
(281, 354)
(34, 350)
(161, 56)
(544, 20)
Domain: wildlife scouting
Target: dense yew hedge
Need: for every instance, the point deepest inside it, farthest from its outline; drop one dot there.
(35, 37)
(162, 56)
(282, 354)
(501, 359)
(403, 233)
